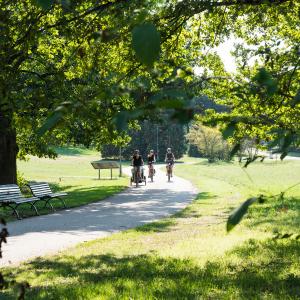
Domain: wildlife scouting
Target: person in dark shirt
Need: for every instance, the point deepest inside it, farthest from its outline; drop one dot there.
(151, 161)
(137, 162)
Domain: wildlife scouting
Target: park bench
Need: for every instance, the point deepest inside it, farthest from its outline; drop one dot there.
(11, 196)
(105, 164)
(42, 191)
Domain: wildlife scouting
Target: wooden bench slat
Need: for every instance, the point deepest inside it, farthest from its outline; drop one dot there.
(9, 190)
(41, 189)
(7, 186)
(39, 185)
(45, 191)
(10, 197)
(59, 194)
(40, 192)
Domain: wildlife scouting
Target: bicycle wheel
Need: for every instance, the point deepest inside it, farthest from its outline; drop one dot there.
(169, 173)
(151, 174)
(136, 180)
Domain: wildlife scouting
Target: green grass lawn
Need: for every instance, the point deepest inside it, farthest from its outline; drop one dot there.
(73, 173)
(190, 255)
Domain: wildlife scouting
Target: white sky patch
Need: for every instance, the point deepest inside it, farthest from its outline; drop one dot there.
(198, 70)
(223, 51)
(225, 48)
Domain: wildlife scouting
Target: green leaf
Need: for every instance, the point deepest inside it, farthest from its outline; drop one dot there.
(146, 43)
(236, 216)
(44, 4)
(265, 79)
(54, 118)
(296, 99)
(50, 123)
(229, 130)
(121, 118)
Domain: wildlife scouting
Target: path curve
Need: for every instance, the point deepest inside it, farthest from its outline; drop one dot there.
(48, 234)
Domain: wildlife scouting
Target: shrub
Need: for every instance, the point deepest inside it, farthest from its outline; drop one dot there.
(209, 142)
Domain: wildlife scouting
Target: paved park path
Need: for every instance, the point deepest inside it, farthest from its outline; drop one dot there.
(133, 207)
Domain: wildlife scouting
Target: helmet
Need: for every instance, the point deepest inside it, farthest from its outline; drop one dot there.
(151, 151)
(169, 149)
(136, 151)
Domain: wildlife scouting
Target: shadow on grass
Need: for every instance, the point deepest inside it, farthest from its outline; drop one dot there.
(285, 212)
(263, 270)
(215, 163)
(193, 210)
(159, 226)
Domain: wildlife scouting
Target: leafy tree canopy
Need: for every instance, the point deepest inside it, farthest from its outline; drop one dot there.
(100, 66)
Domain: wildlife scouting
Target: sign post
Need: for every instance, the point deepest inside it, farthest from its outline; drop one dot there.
(102, 164)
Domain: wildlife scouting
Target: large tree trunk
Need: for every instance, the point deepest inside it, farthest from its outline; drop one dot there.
(8, 152)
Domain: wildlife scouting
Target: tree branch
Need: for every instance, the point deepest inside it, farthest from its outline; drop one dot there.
(98, 8)
(194, 7)
(41, 76)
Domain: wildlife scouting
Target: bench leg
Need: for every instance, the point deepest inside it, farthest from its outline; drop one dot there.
(15, 211)
(48, 202)
(63, 202)
(33, 207)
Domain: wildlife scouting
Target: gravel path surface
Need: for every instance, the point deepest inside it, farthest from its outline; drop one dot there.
(49, 234)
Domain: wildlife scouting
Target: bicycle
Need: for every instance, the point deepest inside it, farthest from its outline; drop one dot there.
(169, 167)
(151, 171)
(137, 176)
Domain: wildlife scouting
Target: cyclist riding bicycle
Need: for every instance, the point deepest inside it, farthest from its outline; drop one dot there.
(169, 159)
(137, 163)
(151, 161)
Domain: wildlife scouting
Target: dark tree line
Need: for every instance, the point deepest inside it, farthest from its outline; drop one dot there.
(152, 136)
